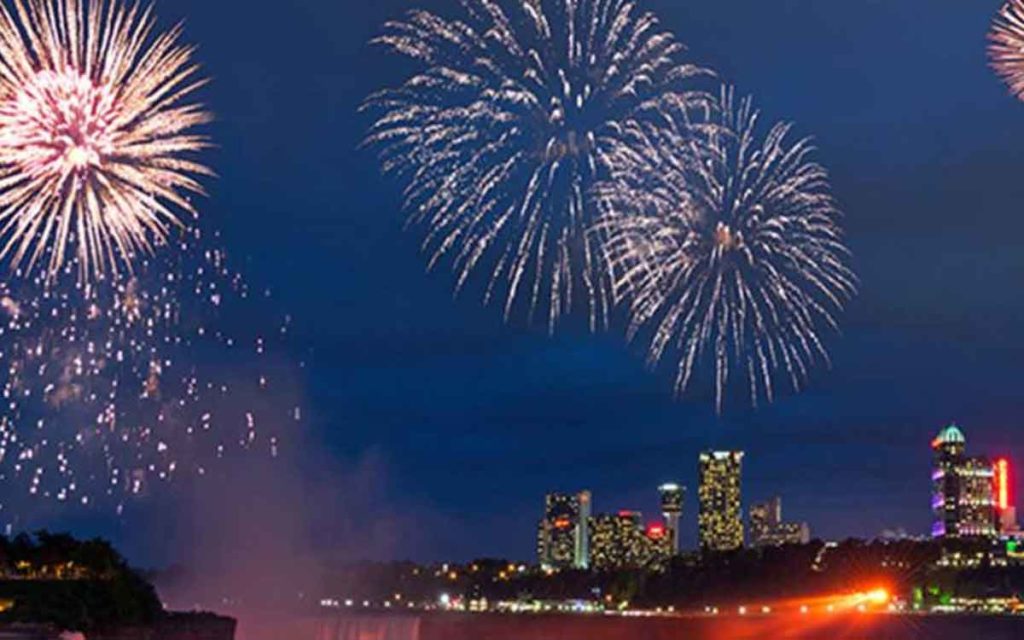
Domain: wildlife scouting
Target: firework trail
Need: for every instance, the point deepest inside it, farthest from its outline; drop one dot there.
(96, 133)
(501, 136)
(725, 245)
(1006, 50)
(114, 387)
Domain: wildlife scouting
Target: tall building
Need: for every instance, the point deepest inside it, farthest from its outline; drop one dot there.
(768, 530)
(562, 536)
(963, 501)
(672, 496)
(720, 519)
(764, 517)
(620, 541)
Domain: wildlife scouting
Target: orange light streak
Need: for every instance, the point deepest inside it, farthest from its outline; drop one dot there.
(1003, 484)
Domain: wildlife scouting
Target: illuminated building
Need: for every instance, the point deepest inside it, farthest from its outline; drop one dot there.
(763, 519)
(672, 509)
(562, 536)
(768, 530)
(963, 501)
(789, 533)
(621, 541)
(1008, 525)
(720, 520)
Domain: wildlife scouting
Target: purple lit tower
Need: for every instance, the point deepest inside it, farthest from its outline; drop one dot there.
(963, 500)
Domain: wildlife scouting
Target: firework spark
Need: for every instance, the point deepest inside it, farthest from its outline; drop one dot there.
(502, 135)
(96, 134)
(1006, 50)
(726, 245)
(114, 387)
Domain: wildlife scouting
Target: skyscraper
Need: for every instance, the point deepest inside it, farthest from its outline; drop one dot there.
(720, 519)
(672, 496)
(963, 501)
(768, 530)
(620, 541)
(562, 536)
(764, 518)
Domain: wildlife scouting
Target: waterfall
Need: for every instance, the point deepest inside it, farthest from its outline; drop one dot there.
(370, 628)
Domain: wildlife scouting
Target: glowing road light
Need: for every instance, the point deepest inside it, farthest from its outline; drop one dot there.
(830, 608)
(766, 610)
(743, 611)
(878, 596)
(804, 609)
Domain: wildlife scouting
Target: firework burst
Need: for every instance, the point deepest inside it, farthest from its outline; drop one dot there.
(726, 245)
(1006, 49)
(501, 137)
(96, 134)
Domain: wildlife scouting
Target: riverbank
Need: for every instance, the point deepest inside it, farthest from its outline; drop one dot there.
(498, 627)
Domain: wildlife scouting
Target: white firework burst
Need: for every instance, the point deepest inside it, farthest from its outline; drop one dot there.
(725, 245)
(1006, 48)
(501, 135)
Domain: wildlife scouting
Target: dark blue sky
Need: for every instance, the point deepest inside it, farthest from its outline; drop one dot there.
(474, 420)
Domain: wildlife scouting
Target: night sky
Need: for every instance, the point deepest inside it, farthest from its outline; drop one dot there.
(469, 420)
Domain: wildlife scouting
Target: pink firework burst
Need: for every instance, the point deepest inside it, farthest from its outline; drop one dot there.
(97, 136)
(1006, 50)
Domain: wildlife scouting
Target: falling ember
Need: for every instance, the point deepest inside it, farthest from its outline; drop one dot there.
(112, 389)
(96, 134)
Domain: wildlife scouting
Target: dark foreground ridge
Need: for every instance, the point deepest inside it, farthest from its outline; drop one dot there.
(50, 583)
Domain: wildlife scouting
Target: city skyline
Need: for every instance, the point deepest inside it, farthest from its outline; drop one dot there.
(413, 391)
(638, 312)
(973, 497)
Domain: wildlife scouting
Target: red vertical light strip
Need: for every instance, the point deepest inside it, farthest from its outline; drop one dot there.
(1003, 484)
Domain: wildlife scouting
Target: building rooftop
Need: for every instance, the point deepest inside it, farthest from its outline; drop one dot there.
(950, 435)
